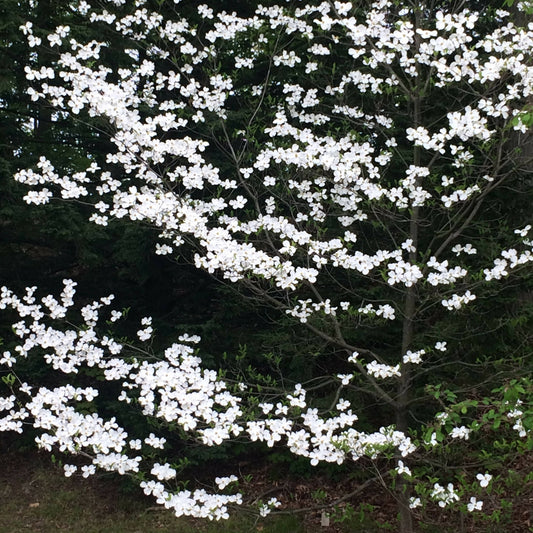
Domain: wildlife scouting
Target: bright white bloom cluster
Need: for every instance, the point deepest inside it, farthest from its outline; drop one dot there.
(474, 504)
(510, 259)
(223, 482)
(467, 249)
(386, 311)
(459, 195)
(484, 480)
(184, 393)
(305, 308)
(373, 444)
(515, 414)
(175, 389)
(414, 358)
(163, 472)
(330, 188)
(382, 371)
(146, 333)
(444, 496)
(460, 433)
(266, 508)
(456, 301)
(443, 274)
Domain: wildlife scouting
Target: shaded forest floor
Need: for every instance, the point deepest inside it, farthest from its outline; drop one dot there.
(35, 497)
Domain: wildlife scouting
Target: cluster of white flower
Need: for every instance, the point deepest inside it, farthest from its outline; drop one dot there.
(456, 301)
(460, 433)
(305, 308)
(175, 389)
(403, 272)
(444, 275)
(303, 207)
(467, 249)
(459, 195)
(198, 503)
(286, 58)
(374, 444)
(415, 358)
(186, 395)
(386, 311)
(146, 333)
(266, 508)
(382, 371)
(223, 482)
(515, 414)
(510, 259)
(444, 496)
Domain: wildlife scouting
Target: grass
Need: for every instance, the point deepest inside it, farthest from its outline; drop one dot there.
(36, 497)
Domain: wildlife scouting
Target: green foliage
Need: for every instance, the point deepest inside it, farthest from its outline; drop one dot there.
(360, 519)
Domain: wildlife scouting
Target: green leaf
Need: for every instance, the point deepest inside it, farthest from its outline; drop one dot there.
(527, 422)
(9, 379)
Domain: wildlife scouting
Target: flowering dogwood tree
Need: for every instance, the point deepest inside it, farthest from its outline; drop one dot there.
(340, 163)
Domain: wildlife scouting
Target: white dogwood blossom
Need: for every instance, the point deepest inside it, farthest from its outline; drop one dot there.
(444, 496)
(175, 389)
(332, 160)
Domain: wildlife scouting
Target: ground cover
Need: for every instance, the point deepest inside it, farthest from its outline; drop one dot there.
(35, 497)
